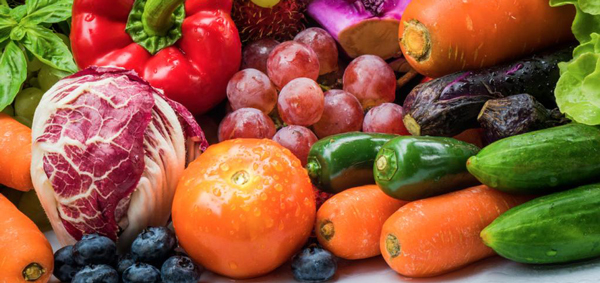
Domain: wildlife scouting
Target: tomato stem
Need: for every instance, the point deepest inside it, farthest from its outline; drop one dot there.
(240, 177)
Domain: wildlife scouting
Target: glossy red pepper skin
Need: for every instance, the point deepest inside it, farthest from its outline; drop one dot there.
(194, 71)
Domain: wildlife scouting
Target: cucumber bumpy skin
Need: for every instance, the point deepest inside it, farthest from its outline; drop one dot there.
(557, 228)
(540, 162)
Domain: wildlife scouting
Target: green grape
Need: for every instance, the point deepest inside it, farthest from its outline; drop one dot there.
(46, 78)
(34, 65)
(34, 82)
(27, 101)
(23, 121)
(65, 39)
(9, 110)
(266, 3)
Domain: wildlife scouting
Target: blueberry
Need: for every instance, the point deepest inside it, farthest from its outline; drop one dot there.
(95, 249)
(96, 274)
(141, 273)
(180, 269)
(313, 264)
(64, 264)
(125, 261)
(154, 245)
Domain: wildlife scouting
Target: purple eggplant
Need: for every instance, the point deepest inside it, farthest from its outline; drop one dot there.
(515, 115)
(449, 105)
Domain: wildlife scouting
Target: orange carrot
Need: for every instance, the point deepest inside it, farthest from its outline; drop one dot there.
(25, 254)
(349, 223)
(437, 235)
(439, 37)
(15, 154)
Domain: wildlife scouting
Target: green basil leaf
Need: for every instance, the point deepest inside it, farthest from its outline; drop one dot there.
(33, 5)
(13, 67)
(55, 12)
(49, 48)
(6, 24)
(18, 13)
(4, 10)
(17, 33)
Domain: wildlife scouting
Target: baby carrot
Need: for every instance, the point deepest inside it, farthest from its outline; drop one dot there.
(349, 223)
(437, 235)
(15, 154)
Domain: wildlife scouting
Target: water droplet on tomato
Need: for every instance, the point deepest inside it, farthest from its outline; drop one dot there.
(89, 17)
(268, 222)
(256, 212)
(307, 201)
(278, 187)
(263, 196)
(224, 167)
(281, 226)
(232, 265)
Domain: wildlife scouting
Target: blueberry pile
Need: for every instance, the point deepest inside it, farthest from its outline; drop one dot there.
(314, 264)
(152, 259)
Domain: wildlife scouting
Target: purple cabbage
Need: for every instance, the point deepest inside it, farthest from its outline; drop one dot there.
(108, 150)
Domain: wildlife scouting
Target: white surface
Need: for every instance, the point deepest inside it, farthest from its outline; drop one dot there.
(491, 270)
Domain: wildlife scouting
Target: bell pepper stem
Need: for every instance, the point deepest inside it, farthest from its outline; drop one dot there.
(158, 16)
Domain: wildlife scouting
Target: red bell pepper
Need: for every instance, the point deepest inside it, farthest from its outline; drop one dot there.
(190, 50)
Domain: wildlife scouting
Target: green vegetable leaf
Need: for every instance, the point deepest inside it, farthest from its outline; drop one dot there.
(52, 12)
(590, 6)
(6, 23)
(578, 89)
(49, 48)
(13, 67)
(18, 13)
(33, 5)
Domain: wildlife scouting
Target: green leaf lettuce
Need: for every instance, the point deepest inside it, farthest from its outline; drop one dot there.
(578, 89)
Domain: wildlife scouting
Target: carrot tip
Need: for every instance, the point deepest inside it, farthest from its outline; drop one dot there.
(327, 230)
(392, 246)
(416, 40)
(33, 272)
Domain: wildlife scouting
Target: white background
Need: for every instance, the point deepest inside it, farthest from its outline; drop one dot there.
(491, 270)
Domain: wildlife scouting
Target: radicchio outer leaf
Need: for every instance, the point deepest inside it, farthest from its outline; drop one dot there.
(108, 151)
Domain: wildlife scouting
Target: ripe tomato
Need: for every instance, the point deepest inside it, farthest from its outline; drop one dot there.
(244, 207)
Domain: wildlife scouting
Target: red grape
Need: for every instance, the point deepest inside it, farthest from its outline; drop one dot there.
(255, 54)
(251, 88)
(385, 118)
(342, 113)
(371, 80)
(324, 45)
(246, 123)
(291, 60)
(297, 139)
(301, 102)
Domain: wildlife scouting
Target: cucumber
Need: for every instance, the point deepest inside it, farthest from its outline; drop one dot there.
(540, 162)
(412, 168)
(557, 228)
(344, 161)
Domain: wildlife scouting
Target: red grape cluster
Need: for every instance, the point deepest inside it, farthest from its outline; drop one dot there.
(279, 80)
